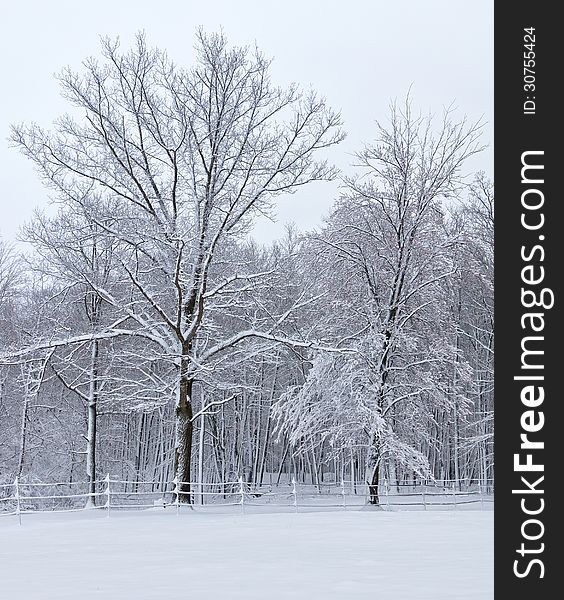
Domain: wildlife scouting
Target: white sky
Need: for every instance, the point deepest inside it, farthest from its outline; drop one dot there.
(359, 54)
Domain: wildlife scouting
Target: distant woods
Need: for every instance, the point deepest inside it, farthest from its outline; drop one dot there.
(147, 336)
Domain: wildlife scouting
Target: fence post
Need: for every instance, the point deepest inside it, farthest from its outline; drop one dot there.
(107, 492)
(344, 494)
(242, 492)
(176, 495)
(454, 493)
(295, 494)
(17, 498)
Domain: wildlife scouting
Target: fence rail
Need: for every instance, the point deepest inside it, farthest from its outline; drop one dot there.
(20, 497)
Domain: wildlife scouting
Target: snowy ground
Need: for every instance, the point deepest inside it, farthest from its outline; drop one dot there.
(294, 556)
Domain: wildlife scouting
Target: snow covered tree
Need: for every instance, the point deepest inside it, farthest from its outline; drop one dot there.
(10, 274)
(10, 278)
(476, 263)
(171, 164)
(386, 241)
(77, 257)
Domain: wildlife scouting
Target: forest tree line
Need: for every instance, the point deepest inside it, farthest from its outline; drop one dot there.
(146, 334)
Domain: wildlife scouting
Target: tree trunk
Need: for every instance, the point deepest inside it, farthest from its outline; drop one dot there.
(268, 421)
(284, 454)
(32, 378)
(92, 424)
(23, 435)
(374, 482)
(373, 486)
(264, 451)
(183, 447)
(201, 456)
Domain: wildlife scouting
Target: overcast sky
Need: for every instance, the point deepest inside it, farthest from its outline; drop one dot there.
(359, 54)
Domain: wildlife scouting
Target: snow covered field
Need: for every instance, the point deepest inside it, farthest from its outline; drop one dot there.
(304, 556)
